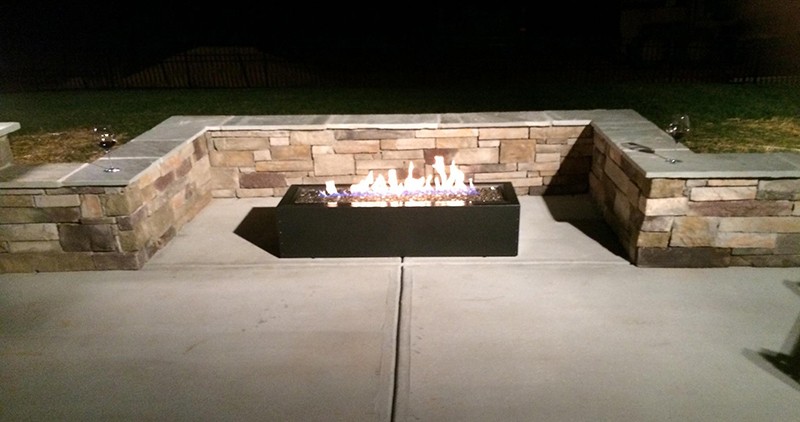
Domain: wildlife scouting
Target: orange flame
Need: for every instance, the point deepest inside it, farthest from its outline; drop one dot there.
(391, 185)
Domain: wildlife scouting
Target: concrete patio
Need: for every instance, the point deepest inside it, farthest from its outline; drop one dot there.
(215, 327)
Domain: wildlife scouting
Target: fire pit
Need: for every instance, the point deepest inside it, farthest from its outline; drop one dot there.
(436, 216)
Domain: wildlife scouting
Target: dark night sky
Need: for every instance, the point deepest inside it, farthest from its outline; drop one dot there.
(142, 28)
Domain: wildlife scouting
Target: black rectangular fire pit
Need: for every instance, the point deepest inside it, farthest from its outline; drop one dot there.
(466, 226)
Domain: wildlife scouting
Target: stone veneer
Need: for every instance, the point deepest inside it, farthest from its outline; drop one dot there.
(707, 210)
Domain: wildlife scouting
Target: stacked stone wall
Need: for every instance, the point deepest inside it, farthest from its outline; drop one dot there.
(535, 160)
(697, 222)
(103, 228)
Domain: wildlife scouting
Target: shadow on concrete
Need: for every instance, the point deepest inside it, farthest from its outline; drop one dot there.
(260, 228)
(580, 212)
(784, 364)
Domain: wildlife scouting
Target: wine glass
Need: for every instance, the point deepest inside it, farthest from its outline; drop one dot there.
(106, 140)
(679, 128)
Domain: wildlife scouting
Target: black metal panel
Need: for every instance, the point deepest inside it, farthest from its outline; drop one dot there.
(316, 230)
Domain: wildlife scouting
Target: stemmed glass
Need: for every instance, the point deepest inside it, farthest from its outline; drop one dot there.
(106, 140)
(679, 128)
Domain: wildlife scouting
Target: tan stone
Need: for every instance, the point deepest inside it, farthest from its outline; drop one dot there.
(722, 193)
(312, 137)
(664, 206)
(562, 132)
(761, 224)
(357, 147)
(408, 143)
(329, 165)
(779, 189)
(477, 156)
(317, 150)
(16, 201)
(489, 144)
(732, 182)
(551, 166)
(694, 231)
(652, 240)
(48, 201)
(262, 155)
(525, 182)
(33, 231)
(666, 188)
(457, 142)
(503, 133)
(657, 223)
(291, 152)
(745, 240)
(224, 178)
(279, 141)
(34, 246)
(549, 157)
(231, 158)
(405, 154)
(447, 133)
(91, 206)
(241, 144)
(517, 151)
(501, 176)
(297, 165)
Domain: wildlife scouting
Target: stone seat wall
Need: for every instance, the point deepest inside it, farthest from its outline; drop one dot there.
(706, 210)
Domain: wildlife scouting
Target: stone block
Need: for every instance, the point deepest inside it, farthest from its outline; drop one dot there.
(91, 206)
(408, 143)
(652, 240)
(373, 134)
(131, 221)
(92, 237)
(16, 201)
(489, 144)
(322, 150)
(787, 243)
(501, 176)
(357, 147)
(291, 152)
(447, 133)
(657, 223)
(722, 193)
(34, 246)
(518, 151)
(664, 188)
(562, 132)
(779, 189)
(311, 137)
(31, 231)
(279, 141)
(261, 180)
(548, 157)
(296, 165)
(339, 164)
(760, 224)
(683, 257)
(745, 240)
(262, 155)
(115, 261)
(766, 260)
(457, 142)
(477, 156)
(255, 193)
(231, 158)
(407, 154)
(47, 201)
(732, 182)
(664, 206)
(46, 262)
(241, 144)
(503, 133)
(694, 231)
(224, 178)
(744, 208)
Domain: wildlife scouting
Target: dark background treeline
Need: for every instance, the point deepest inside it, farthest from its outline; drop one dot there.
(109, 45)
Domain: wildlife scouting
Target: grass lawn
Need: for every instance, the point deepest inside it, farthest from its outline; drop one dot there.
(56, 126)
